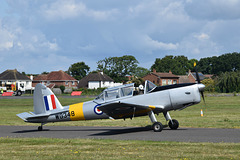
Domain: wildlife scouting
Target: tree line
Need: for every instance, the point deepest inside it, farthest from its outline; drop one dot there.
(211, 65)
(225, 69)
(115, 67)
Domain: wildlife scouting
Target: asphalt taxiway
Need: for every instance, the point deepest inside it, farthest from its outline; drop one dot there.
(125, 133)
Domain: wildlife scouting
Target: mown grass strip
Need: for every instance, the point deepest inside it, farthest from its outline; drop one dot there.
(45, 148)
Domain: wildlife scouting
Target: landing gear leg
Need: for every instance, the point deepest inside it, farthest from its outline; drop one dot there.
(157, 126)
(40, 128)
(173, 123)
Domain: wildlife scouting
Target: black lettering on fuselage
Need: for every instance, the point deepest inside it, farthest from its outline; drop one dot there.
(62, 115)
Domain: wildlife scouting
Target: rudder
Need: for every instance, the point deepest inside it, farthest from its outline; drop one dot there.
(44, 100)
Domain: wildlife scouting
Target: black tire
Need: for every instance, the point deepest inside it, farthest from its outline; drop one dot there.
(157, 127)
(19, 93)
(40, 128)
(173, 124)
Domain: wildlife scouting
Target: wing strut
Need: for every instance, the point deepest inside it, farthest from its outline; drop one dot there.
(134, 108)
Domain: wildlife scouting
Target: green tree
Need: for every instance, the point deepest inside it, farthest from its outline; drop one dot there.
(180, 66)
(205, 65)
(221, 64)
(163, 65)
(191, 64)
(45, 72)
(118, 67)
(227, 63)
(177, 64)
(78, 70)
(141, 72)
(229, 82)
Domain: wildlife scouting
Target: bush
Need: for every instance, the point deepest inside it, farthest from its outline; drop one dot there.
(29, 91)
(62, 88)
(86, 91)
(209, 85)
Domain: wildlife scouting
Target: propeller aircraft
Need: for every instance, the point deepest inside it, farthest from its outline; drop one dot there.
(117, 103)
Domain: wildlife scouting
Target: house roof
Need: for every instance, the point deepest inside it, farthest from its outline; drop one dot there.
(13, 75)
(201, 76)
(93, 77)
(40, 77)
(184, 79)
(55, 76)
(165, 75)
(208, 75)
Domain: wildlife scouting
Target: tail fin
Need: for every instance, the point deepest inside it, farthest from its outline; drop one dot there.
(44, 100)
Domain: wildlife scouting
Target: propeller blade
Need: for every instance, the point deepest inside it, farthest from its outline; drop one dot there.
(201, 88)
(197, 76)
(199, 82)
(203, 97)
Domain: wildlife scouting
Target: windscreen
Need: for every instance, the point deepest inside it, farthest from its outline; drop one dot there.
(149, 86)
(127, 91)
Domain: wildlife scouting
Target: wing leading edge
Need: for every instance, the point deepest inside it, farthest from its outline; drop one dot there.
(119, 110)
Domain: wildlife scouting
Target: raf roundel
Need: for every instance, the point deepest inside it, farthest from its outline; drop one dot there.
(97, 111)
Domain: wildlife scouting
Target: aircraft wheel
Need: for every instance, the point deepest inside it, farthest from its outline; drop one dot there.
(157, 127)
(40, 128)
(173, 124)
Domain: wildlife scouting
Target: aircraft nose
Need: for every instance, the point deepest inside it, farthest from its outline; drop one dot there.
(201, 87)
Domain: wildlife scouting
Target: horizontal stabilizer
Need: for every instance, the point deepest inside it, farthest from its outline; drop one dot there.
(24, 115)
(31, 116)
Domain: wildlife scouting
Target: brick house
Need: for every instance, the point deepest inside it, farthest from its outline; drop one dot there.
(191, 77)
(162, 79)
(56, 78)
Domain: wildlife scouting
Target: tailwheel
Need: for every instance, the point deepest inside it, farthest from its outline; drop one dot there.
(157, 127)
(40, 128)
(173, 124)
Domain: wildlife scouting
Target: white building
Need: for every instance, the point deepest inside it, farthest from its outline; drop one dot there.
(10, 79)
(97, 80)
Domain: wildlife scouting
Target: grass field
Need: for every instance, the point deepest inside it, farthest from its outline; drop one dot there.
(220, 112)
(45, 148)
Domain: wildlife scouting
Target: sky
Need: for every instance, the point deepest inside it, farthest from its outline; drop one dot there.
(50, 35)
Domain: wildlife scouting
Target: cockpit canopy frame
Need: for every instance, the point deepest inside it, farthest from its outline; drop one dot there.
(116, 92)
(127, 90)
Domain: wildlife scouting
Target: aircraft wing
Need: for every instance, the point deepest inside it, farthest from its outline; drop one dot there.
(118, 110)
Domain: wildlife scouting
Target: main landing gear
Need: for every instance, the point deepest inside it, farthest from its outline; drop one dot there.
(40, 128)
(158, 127)
(173, 124)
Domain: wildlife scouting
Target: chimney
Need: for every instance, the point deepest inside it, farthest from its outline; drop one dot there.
(31, 77)
(154, 70)
(189, 71)
(170, 71)
(101, 72)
